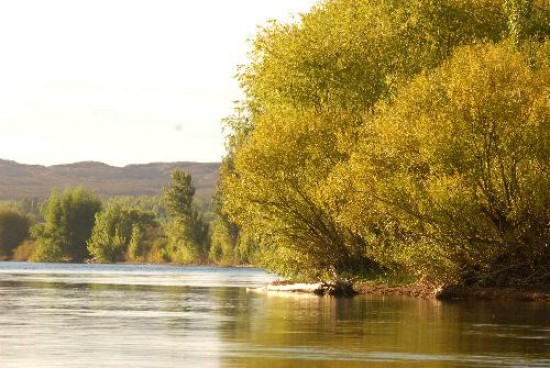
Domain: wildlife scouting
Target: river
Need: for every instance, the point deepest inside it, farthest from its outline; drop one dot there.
(161, 316)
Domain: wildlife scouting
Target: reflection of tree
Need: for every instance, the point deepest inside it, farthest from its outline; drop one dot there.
(289, 330)
(228, 326)
(500, 328)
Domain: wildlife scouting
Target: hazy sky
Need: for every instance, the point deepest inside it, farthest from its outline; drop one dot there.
(123, 81)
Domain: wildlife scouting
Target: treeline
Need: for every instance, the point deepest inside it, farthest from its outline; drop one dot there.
(77, 226)
(406, 137)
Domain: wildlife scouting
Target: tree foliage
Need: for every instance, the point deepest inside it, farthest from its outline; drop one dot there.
(14, 229)
(73, 228)
(119, 234)
(229, 245)
(69, 219)
(322, 178)
(457, 169)
(187, 232)
(145, 203)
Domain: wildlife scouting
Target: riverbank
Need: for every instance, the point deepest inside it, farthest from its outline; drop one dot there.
(500, 294)
(458, 293)
(428, 292)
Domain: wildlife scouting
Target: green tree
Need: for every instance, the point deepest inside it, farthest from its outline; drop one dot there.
(228, 244)
(136, 247)
(152, 204)
(69, 219)
(14, 229)
(113, 234)
(187, 232)
(224, 240)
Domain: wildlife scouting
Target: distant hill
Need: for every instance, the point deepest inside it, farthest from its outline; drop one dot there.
(19, 181)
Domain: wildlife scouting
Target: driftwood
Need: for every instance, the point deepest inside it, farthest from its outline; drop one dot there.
(342, 288)
(293, 287)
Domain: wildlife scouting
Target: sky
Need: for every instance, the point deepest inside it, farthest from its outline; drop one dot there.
(123, 81)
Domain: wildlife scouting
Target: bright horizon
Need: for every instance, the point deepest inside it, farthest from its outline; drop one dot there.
(123, 81)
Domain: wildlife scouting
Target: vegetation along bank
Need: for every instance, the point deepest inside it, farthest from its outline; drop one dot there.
(403, 140)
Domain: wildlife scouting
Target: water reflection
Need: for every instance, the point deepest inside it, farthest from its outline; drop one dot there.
(130, 316)
(386, 332)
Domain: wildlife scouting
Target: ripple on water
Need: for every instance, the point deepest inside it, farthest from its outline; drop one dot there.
(134, 316)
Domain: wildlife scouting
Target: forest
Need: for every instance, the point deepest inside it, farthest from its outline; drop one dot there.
(406, 139)
(76, 225)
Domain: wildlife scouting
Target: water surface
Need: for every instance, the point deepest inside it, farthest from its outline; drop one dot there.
(161, 316)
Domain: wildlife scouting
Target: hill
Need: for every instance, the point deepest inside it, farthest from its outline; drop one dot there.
(19, 181)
